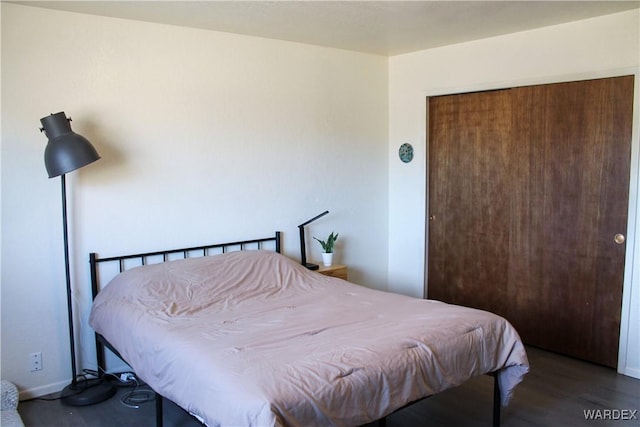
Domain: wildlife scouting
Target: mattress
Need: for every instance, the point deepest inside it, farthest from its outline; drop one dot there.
(251, 338)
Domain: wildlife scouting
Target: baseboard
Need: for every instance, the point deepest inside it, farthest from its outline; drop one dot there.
(119, 368)
(631, 372)
(43, 390)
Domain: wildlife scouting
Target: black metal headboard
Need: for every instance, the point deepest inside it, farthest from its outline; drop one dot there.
(182, 252)
(167, 255)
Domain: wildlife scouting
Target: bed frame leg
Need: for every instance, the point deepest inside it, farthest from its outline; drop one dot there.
(496, 401)
(158, 410)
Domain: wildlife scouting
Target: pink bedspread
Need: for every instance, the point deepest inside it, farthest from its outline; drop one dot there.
(252, 338)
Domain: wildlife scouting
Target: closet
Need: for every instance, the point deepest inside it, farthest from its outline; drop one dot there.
(528, 199)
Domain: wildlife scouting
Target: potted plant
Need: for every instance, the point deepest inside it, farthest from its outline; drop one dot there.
(327, 248)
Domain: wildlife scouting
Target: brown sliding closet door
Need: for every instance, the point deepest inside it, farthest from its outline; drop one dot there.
(528, 188)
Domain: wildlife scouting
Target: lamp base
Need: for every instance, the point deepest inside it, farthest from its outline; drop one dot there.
(87, 392)
(312, 266)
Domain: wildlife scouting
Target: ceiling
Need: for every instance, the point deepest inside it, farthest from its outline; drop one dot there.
(379, 27)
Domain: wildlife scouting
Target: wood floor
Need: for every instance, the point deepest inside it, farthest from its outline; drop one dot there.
(556, 392)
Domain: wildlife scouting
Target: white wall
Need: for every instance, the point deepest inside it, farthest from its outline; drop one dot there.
(599, 47)
(204, 137)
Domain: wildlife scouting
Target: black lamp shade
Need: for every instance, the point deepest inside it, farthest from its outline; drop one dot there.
(66, 151)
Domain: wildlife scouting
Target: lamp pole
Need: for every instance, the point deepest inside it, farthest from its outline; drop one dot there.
(67, 273)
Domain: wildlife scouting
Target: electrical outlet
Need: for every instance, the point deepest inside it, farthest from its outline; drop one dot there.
(35, 361)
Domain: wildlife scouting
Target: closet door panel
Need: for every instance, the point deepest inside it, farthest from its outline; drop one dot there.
(469, 214)
(578, 136)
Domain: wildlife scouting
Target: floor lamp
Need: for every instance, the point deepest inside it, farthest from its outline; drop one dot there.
(67, 151)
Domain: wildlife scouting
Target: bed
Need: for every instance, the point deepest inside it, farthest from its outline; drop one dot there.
(249, 337)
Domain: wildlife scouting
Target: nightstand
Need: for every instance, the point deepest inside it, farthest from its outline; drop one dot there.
(336, 270)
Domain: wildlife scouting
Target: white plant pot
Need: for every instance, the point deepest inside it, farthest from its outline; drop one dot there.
(327, 259)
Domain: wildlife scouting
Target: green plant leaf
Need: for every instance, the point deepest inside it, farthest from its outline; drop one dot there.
(327, 246)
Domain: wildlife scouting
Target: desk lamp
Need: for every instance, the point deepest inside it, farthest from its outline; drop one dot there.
(303, 252)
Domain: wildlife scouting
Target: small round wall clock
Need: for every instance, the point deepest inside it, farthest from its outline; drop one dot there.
(406, 152)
